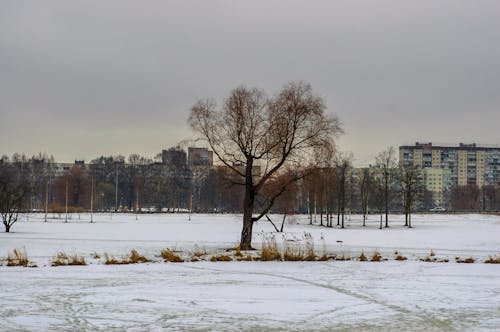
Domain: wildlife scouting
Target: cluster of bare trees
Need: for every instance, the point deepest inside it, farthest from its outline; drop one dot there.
(473, 198)
(340, 189)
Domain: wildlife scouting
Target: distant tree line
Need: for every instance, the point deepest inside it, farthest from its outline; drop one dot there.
(327, 193)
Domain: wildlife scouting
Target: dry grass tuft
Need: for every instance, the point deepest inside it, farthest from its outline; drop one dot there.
(62, 259)
(428, 259)
(493, 260)
(110, 260)
(467, 260)
(299, 248)
(270, 251)
(221, 258)
(77, 260)
(293, 251)
(344, 257)
(170, 256)
(309, 255)
(431, 253)
(95, 255)
(18, 258)
(135, 257)
(376, 257)
(198, 254)
(323, 258)
(362, 257)
(246, 258)
(400, 258)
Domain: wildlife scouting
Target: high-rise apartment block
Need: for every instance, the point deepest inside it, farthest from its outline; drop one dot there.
(446, 166)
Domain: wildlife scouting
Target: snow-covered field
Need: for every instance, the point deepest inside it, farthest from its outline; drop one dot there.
(252, 296)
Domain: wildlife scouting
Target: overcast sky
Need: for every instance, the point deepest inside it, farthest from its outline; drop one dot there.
(80, 79)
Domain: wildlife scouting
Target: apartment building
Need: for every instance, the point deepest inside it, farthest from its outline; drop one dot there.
(200, 157)
(446, 166)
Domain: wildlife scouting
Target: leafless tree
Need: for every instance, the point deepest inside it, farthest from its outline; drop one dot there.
(412, 188)
(386, 161)
(252, 130)
(342, 163)
(376, 195)
(364, 191)
(13, 193)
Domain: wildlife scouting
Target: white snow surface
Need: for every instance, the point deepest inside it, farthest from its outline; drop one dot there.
(252, 296)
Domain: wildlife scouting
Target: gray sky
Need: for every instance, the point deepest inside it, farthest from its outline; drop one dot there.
(80, 79)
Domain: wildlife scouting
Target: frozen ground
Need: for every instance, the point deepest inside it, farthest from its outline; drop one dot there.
(361, 296)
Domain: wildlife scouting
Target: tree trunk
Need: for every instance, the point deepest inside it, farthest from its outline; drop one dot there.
(248, 205)
(343, 208)
(246, 232)
(386, 200)
(7, 228)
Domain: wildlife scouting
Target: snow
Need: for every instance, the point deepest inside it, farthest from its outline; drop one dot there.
(252, 296)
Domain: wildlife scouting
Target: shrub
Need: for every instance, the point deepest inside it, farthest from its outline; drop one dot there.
(56, 208)
(170, 256)
(362, 257)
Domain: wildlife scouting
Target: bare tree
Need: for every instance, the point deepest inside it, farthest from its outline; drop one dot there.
(411, 189)
(13, 193)
(364, 191)
(254, 131)
(342, 163)
(376, 195)
(386, 161)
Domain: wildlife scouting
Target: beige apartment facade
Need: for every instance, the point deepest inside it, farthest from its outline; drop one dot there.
(447, 166)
